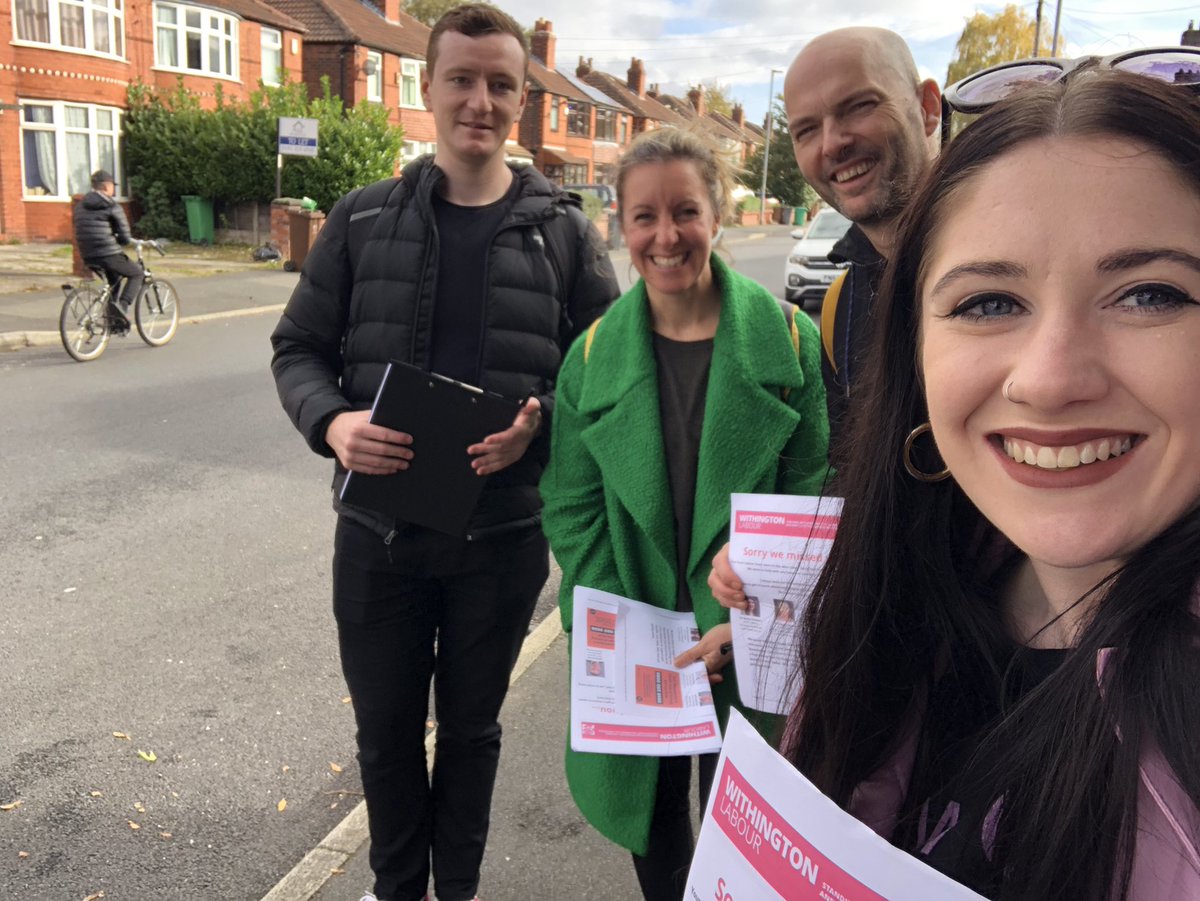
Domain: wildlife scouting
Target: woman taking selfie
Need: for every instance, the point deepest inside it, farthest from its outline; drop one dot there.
(1001, 669)
(691, 387)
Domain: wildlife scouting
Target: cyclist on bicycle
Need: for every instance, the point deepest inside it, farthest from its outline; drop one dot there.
(100, 230)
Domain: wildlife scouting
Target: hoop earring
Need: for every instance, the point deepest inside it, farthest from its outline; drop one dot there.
(907, 457)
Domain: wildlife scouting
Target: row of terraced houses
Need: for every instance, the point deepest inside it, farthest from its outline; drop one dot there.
(65, 66)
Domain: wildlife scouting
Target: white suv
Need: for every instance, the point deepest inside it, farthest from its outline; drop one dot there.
(808, 271)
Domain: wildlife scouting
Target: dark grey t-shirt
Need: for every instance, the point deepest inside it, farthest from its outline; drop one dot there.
(682, 387)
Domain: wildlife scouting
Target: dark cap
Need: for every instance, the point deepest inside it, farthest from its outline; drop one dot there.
(101, 177)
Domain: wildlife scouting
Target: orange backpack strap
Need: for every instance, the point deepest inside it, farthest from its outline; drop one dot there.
(828, 316)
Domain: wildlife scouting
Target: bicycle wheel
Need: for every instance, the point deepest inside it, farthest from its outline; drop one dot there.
(83, 325)
(157, 313)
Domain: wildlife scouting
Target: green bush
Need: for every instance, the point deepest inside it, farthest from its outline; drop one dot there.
(593, 206)
(174, 147)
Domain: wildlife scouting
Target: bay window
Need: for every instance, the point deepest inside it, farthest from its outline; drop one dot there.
(62, 144)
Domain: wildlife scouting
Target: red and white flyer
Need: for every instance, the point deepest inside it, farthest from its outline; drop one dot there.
(778, 544)
(627, 697)
(769, 833)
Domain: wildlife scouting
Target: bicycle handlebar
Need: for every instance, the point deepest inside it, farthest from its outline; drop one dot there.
(150, 243)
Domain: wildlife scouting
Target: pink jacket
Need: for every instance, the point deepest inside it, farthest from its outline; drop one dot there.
(1166, 864)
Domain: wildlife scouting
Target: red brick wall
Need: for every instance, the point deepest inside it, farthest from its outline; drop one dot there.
(37, 73)
(330, 60)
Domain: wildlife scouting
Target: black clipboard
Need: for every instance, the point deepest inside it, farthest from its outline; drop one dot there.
(439, 490)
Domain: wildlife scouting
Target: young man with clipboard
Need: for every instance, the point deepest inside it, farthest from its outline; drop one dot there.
(484, 274)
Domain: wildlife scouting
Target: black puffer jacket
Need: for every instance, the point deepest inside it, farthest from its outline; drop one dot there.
(342, 325)
(100, 226)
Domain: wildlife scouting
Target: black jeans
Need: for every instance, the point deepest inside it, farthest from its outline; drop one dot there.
(117, 267)
(431, 606)
(662, 873)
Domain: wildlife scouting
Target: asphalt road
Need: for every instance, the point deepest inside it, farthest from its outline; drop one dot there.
(165, 542)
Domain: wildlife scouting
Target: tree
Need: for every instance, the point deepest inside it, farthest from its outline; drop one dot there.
(717, 99)
(1000, 38)
(227, 154)
(783, 175)
(429, 11)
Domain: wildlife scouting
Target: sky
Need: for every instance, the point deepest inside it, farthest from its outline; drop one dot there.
(736, 43)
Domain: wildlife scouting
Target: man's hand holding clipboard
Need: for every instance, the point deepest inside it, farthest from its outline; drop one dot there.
(379, 451)
(362, 446)
(424, 450)
(503, 449)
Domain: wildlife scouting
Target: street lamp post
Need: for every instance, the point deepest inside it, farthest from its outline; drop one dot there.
(762, 200)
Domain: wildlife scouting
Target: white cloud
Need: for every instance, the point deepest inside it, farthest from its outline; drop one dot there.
(684, 42)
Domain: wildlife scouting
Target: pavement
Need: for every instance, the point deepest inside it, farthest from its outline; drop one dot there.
(31, 296)
(539, 845)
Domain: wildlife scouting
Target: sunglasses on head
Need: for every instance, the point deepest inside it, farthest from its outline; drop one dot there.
(977, 92)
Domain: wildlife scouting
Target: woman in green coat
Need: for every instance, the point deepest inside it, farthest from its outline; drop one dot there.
(690, 388)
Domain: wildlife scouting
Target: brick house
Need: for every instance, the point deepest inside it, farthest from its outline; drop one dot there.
(65, 66)
(574, 131)
(647, 112)
(731, 133)
(371, 52)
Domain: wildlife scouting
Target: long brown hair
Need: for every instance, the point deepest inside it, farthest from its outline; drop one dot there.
(905, 597)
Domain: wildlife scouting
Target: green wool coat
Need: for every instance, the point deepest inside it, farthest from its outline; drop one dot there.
(608, 510)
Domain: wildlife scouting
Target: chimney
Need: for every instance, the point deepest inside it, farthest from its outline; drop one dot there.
(652, 92)
(739, 116)
(389, 9)
(1191, 37)
(541, 45)
(635, 78)
(584, 67)
(696, 97)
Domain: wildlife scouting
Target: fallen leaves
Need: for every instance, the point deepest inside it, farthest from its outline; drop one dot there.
(12, 805)
(139, 807)
(134, 826)
(122, 736)
(95, 794)
(346, 700)
(166, 835)
(335, 767)
(94, 897)
(22, 854)
(149, 756)
(282, 805)
(337, 871)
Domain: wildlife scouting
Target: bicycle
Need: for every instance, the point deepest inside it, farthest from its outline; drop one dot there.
(89, 315)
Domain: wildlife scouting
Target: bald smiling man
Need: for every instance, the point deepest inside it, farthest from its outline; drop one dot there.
(864, 128)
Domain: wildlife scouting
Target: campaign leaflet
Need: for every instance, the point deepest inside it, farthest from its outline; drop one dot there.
(778, 544)
(627, 697)
(769, 833)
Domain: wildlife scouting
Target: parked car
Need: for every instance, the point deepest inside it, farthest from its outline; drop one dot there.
(808, 271)
(606, 193)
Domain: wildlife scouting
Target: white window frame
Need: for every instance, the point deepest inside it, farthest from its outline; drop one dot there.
(375, 80)
(96, 137)
(109, 13)
(217, 30)
(410, 150)
(410, 74)
(271, 42)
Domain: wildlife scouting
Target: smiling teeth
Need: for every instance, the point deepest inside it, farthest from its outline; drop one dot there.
(1067, 457)
(853, 172)
(669, 262)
